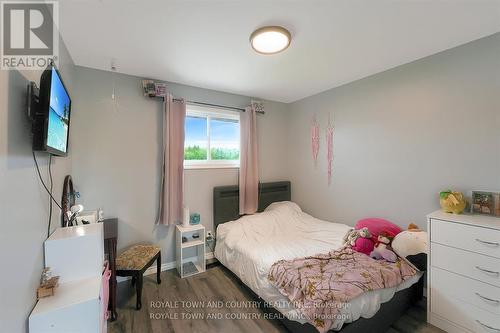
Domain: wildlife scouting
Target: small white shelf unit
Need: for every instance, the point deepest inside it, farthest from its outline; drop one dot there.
(190, 254)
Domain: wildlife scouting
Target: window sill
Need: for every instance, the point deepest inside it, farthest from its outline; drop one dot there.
(211, 166)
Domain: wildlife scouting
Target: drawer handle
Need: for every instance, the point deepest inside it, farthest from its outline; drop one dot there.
(488, 327)
(488, 299)
(487, 243)
(488, 271)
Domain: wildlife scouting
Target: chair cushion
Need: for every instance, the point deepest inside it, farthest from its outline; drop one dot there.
(136, 257)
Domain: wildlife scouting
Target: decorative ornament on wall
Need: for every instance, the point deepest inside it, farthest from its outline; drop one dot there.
(258, 106)
(148, 88)
(329, 149)
(151, 88)
(112, 101)
(115, 96)
(315, 139)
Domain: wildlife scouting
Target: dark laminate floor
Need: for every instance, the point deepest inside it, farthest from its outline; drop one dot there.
(212, 289)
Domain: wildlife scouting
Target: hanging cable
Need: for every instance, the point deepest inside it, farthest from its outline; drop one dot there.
(113, 92)
(43, 183)
(50, 199)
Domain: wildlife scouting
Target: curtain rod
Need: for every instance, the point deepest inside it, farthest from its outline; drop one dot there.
(215, 105)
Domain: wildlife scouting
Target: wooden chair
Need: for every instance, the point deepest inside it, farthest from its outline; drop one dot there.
(135, 261)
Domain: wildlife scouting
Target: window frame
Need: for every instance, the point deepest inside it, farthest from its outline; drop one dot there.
(209, 112)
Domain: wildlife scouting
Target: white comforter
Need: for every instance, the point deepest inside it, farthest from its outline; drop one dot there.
(250, 245)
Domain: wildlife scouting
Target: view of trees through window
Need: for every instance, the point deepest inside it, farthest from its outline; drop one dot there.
(215, 134)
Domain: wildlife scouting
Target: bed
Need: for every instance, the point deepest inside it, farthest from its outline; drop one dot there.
(249, 246)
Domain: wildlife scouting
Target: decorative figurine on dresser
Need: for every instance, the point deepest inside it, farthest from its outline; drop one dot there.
(463, 286)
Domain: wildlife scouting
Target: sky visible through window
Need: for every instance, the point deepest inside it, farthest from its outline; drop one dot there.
(224, 139)
(196, 132)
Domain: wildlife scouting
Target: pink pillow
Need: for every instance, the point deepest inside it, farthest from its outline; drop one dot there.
(375, 226)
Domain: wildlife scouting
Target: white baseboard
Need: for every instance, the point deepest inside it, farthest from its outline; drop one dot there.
(164, 267)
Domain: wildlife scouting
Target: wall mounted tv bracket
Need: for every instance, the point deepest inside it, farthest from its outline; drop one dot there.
(33, 100)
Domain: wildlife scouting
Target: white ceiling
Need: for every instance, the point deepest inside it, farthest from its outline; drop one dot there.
(204, 43)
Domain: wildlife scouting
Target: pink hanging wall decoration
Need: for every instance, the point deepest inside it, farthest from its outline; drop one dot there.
(315, 139)
(329, 149)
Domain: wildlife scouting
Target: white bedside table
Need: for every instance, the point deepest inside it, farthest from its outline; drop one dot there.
(190, 254)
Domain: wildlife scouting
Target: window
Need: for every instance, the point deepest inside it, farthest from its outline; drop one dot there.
(212, 138)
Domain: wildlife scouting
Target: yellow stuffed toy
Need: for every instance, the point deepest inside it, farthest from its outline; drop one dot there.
(452, 202)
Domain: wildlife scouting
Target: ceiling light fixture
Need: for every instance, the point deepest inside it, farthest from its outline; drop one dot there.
(270, 39)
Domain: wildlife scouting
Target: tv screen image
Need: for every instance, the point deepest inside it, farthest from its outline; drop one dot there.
(50, 112)
(58, 120)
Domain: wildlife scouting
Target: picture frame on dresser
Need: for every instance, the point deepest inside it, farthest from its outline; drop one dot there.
(463, 281)
(487, 203)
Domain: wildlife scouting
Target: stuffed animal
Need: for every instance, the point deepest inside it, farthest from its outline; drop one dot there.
(411, 244)
(413, 227)
(365, 233)
(452, 202)
(383, 248)
(353, 235)
(364, 245)
(349, 236)
(375, 226)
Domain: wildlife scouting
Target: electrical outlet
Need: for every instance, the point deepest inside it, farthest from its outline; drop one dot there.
(210, 236)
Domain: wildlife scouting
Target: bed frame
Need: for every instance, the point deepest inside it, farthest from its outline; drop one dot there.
(226, 208)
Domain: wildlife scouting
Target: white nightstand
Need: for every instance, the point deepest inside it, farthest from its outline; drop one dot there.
(190, 254)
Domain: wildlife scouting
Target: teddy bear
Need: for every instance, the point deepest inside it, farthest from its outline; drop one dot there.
(412, 245)
(383, 248)
(351, 237)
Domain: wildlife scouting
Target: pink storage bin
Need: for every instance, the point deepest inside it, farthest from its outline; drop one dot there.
(106, 275)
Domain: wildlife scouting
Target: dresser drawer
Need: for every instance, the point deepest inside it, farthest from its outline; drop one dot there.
(476, 266)
(482, 295)
(466, 315)
(476, 239)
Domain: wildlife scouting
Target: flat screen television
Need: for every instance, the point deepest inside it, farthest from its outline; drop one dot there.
(52, 117)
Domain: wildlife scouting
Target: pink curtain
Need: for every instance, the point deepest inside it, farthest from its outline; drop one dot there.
(249, 173)
(172, 179)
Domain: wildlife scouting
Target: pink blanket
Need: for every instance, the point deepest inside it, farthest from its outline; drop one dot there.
(320, 285)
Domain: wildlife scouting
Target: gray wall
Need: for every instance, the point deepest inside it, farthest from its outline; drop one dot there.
(402, 136)
(23, 201)
(117, 151)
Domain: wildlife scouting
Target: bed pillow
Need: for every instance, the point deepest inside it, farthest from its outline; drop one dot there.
(375, 226)
(287, 204)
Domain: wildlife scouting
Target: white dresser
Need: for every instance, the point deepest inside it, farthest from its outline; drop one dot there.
(463, 286)
(76, 254)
